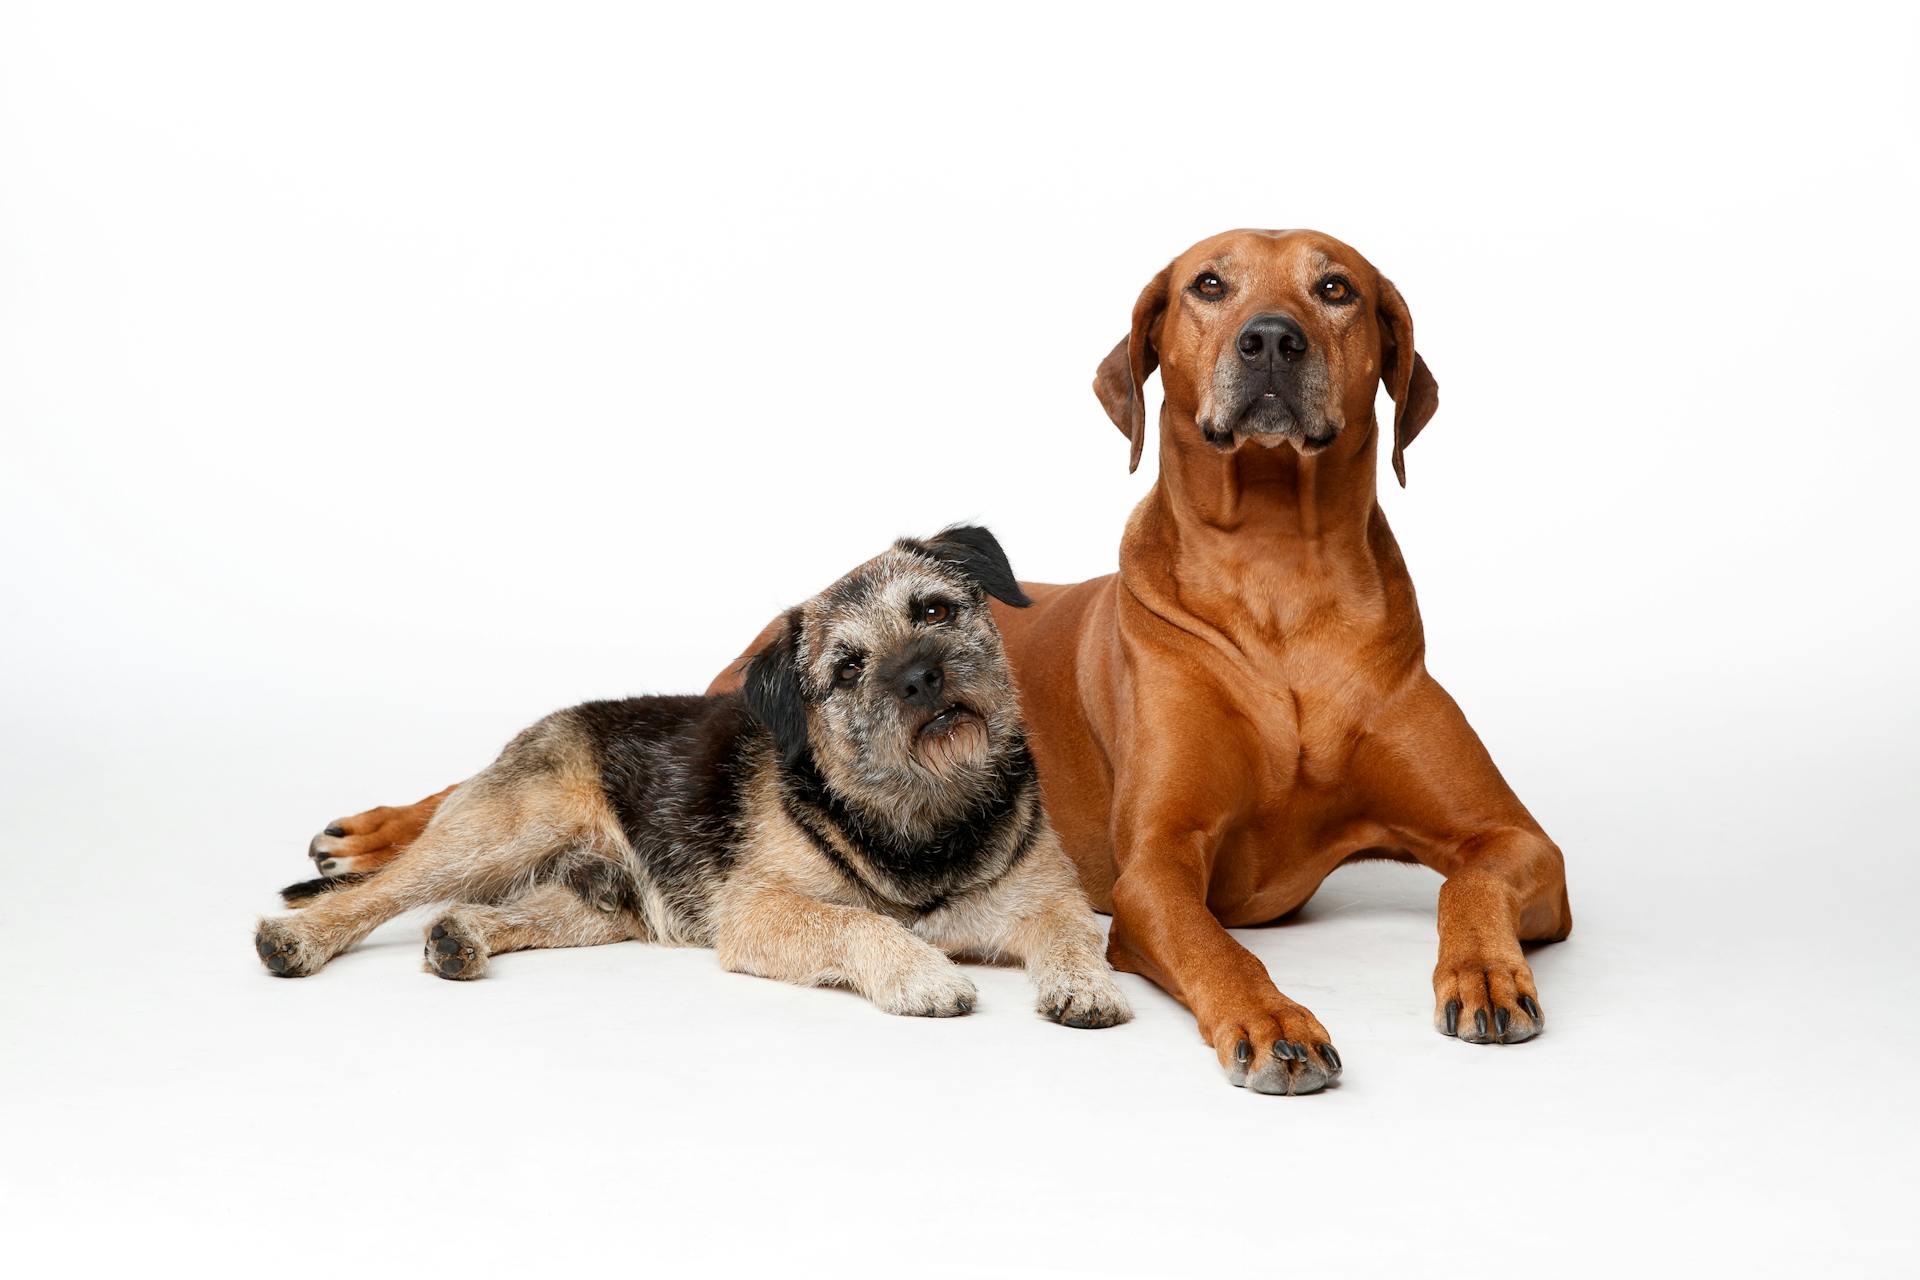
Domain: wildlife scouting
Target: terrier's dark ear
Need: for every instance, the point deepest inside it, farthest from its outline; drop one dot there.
(1119, 379)
(974, 551)
(1415, 394)
(772, 690)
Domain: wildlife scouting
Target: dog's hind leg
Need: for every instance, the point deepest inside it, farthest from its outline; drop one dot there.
(489, 840)
(462, 938)
(450, 862)
(295, 946)
(304, 892)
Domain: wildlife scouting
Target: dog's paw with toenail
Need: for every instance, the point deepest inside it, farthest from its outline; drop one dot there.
(1279, 1048)
(1487, 1002)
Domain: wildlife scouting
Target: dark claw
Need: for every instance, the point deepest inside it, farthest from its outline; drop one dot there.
(1283, 1051)
(439, 932)
(1333, 1059)
(1532, 1007)
(1453, 1017)
(447, 946)
(1243, 1052)
(1480, 1023)
(1500, 1020)
(1299, 1051)
(336, 831)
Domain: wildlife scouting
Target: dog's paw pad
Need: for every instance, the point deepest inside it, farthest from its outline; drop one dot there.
(280, 951)
(453, 951)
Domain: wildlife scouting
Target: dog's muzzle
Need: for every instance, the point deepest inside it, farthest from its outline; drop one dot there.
(1266, 389)
(919, 680)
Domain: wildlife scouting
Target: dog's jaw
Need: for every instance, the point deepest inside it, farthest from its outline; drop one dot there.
(1269, 434)
(1237, 406)
(954, 741)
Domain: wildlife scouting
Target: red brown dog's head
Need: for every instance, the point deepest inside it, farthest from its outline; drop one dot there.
(1269, 338)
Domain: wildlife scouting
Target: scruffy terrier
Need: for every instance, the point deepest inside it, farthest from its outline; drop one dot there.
(863, 809)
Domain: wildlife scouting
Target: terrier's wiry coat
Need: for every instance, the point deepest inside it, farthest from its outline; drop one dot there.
(863, 808)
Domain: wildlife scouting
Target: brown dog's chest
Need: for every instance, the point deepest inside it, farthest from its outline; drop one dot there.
(1303, 736)
(1302, 816)
(1243, 723)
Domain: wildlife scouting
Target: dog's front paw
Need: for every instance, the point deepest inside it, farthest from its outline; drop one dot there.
(456, 948)
(933, 989)
(1486, 1000)
(1276, 1047)
(1090, 999)
(285, 950)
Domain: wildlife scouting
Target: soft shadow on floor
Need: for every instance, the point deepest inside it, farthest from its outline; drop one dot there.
(1380, 890)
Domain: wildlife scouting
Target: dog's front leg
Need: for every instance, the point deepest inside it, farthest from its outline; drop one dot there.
(1505, 885)
(1428, 779)
(1164, 930)
(1037, 914)
(775, 931)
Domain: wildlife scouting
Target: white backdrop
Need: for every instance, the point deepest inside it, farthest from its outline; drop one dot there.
(376, 377)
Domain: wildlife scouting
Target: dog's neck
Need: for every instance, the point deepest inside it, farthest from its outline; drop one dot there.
(920, 856)
(1265, 537)
(1272, 493)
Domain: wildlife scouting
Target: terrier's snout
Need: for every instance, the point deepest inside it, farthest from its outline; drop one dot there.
(920, 685)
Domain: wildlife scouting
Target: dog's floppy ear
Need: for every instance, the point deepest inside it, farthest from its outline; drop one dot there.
(1127, 366)
(1415, 394)
(772, 690)
(974, 551)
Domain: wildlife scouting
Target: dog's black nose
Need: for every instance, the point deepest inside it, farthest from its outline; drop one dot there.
(919, 685)
(1267, 338)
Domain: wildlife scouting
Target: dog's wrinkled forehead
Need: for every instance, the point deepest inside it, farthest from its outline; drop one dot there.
(875, 607)
(1269, 268)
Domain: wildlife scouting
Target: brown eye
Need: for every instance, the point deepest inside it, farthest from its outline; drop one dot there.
(1209, 286)
(935, 612)
(1336, 289)
(848, 672)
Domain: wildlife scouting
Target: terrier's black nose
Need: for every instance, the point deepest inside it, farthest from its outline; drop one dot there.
(1264, 339)
(920, 685)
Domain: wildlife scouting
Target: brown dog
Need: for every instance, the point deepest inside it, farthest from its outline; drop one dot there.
(1245, 706)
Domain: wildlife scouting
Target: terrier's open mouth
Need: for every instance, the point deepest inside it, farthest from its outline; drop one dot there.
(946, 720)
